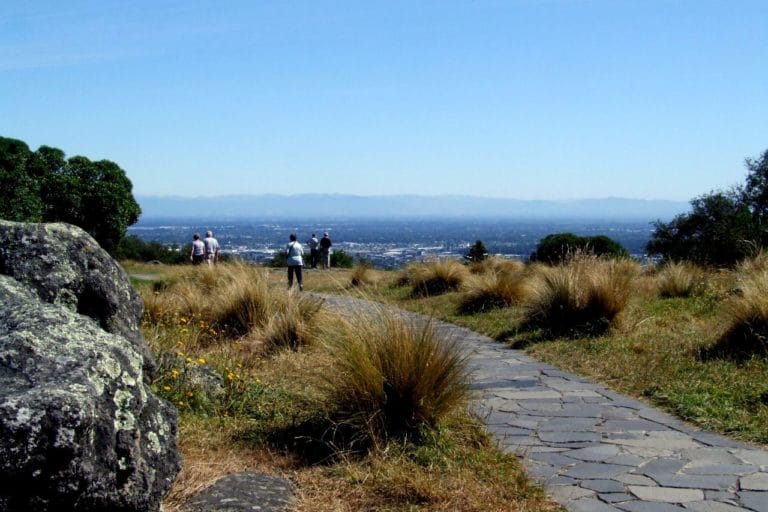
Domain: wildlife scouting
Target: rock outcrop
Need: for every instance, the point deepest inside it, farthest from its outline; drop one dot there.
(80, 428)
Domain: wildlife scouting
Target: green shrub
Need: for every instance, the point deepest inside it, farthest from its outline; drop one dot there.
(560, 247)
(340, 259)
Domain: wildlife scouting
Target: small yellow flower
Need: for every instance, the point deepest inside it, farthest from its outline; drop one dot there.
(167, 388)
(201, 360)
(180, 402)
(190, 393)
(183, 320)
(180, 354)
(230, 376)
(157, 293)
(189, 359)
(175, 373)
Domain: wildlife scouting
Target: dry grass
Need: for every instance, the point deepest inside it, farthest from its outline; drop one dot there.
(434, 277)
(681, 280)
(581, 297)
(746, 314)
(497, 287)
(392, 378)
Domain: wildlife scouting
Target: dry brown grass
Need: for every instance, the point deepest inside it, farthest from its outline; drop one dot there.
(681, 280)
(497, 287)
(746, 313)
(434, 277)
(392, 377)
(584, 296)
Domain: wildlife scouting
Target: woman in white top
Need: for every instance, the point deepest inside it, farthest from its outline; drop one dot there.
(294, 251)
(197, 254)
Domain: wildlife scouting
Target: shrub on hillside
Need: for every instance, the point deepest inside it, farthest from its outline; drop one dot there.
(391, 377)
(134, 248)
(560, 247)
(340, 259)
(581, 297)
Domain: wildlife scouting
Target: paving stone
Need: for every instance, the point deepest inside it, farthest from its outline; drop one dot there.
(616, 497)
(708, 438)
(569, 437)
(655, 440)
(631, 479)
(595, 453)
(758, 458)
(754, 500)
(712, 482)
(590, 505)
(568, 424)
(554, 458)
(567, 493)
(711, 455)
(592, 471)
(562, 480)
(666, 494)
(604, 486)
(663, 466)
(630, 425)
(644, 506)
(712, 506)
(627, 459)
(707, 468)
(755, 482)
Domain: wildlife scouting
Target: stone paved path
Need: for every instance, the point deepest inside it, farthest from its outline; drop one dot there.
(595, 450)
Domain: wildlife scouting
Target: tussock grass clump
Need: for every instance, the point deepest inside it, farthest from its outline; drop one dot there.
(584, 296)
(362, 274)
(435, 277)
(681, 280)
(232, 300)
(496, 289)
(747, 313)
(391, 377)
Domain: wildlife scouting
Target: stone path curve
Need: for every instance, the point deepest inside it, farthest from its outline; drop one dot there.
(595, 450)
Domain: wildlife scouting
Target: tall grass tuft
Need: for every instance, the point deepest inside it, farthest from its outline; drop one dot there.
(493, 289)
(436, 277)
(583, 296)
(747, 314)
(361, 274)
(392, 377)
(681, 280)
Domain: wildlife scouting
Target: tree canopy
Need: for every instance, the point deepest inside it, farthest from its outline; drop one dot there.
(44, 186)
(722, 227)
(558, 247)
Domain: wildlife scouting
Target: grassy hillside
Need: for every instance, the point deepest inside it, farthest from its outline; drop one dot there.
(269, 380)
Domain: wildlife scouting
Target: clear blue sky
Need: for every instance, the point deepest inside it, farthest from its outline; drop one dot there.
(530, 99)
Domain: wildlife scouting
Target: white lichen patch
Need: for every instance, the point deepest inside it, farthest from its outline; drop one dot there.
(124, 418)
(154, 442)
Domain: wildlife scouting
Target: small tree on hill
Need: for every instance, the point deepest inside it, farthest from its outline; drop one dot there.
(477, 252)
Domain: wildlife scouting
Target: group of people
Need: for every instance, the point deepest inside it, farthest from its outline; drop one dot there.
(206, 250)
(319, 252)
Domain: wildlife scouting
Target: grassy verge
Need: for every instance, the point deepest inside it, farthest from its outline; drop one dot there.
(688, 340)
(253, 393)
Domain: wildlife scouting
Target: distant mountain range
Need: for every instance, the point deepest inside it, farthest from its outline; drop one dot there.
(338, 206)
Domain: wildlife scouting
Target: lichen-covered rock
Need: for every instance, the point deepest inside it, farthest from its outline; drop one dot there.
(80, 429)
(66, 266)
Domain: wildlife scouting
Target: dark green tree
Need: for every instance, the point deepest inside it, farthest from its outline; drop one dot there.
(719, 230)
(558, 247)
(44, 186)
(477, 252)
(19, 184)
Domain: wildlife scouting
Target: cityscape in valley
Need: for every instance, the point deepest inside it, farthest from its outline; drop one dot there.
(391, 243)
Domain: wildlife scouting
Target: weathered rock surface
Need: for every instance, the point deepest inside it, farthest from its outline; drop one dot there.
(65, 266)
(80, 428)
(244, 492)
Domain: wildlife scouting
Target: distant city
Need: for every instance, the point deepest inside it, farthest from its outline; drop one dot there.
(391, 243)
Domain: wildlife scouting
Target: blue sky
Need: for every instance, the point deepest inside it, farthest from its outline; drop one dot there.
(528, 99)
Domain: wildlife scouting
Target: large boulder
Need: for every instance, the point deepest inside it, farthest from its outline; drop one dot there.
(80, 428)
(65, 266)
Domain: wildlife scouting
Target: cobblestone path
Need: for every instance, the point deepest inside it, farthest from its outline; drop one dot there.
(595, 450)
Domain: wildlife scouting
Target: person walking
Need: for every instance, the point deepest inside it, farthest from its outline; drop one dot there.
(197, 253)
(314, 253)
(212, 249)
(325, 251)
(294, 251)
